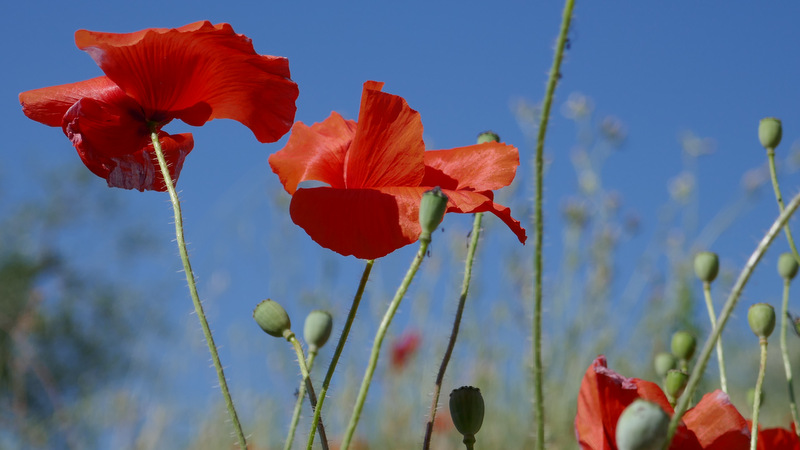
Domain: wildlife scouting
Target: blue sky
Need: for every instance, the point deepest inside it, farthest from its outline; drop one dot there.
(661, 68)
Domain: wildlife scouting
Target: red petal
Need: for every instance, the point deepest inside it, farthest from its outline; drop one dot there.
(483, 167)
(197, 73)
(365, 223)
(48, 105)
(777, 439)
(314, 153)
(387, 149)
(115, 144)
(471, 202)
(717, 424)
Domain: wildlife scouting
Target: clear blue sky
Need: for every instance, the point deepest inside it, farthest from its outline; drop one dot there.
(662, 68)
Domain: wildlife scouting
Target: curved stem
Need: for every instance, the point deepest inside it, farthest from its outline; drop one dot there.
(762, 368)
(773, 173)
(312, 396)
(727, 310)
(473, 244)
(787, 366)
(339, 347)
(723, 380)
(376, 345)
(555, 75)
(298, 405)
(198, 306)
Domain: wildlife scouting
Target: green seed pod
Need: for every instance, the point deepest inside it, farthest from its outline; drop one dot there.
(431, 211)
(706, 266)
(761, 318)
(683, 345)
(770, 132)
(466, 410)
(751, 397)
(642, 426)
(787, 266)
(664, 362)
(272, 318)
(488, 136)
(317, 328)
(676, 383)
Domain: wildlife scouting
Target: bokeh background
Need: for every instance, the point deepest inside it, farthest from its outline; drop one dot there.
(652, 155)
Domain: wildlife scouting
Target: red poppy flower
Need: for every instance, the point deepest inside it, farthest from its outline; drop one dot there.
(714, 423)
(195, 73)
(776, 438)
(403, 349)
(377, 170)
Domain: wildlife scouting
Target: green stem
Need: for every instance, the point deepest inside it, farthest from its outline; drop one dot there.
(773, 173)
(298, 405)
(312, 397)
(339, 347)
(723, 380)
(727, 310)
(473, 244)
(787, 366)
(555, 75)
(187, 268)
(376, 346)
(762, 368)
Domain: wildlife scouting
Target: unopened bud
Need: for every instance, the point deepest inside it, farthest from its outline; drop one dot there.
(642, 426)
(466, 410)
(706, 266)
(761, 318)
(770, 132)
(317, 328)
(431, 211)
(787, 266)
(683, 345)
(272, 318)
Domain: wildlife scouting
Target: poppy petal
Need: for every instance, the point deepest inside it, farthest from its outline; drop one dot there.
(717, 423)
(314, 153)
(197, 73)
(777, 439)
(48, 105)
(472, 202)
(387, 149)
(115, 144)
(365, 223)
(482, 167)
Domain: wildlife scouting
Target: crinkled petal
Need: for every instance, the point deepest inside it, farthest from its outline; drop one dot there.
(777, 439)
(314, 153)
(115, 144)
(472, 202)
(387, 149)
(48, 105)
(365, 223)
(717, 423)
(197, 73)
(482, 167)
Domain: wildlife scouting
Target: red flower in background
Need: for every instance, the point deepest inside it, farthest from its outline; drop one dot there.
(195, 73)
(403, 349)
(714, 423)
(776, 438)
(377, 170)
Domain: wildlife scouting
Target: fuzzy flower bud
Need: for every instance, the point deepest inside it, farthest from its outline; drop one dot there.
(466, 410)
(664, 362)
(272, 318)
(488, 136)
(683, 345)
(706, 266)
(431, 211)
(787, 266)
(770, 132)
(761, 318)
(317, 328)
(676, 383)
(642, 426)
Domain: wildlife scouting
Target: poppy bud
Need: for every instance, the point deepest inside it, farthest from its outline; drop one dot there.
(642, 426)
(272, 318)
(488, 136)
(664, 362)
(770, 132)
(466, 410)
(761, 318)
(706, 266)
(787, 266)
(431, 211)
(683, 345)
(317, 328)
(676, 383)
(751, 397)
